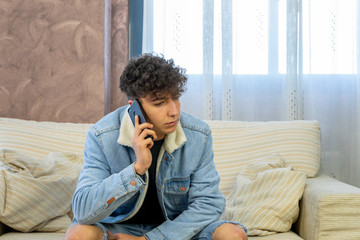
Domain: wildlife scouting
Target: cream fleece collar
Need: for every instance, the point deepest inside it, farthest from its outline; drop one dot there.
(172, 141)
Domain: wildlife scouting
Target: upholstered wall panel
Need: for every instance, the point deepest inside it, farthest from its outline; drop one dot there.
(119, 50)
(52, 58)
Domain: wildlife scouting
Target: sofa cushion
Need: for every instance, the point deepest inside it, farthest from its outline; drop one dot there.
(278, 236)
(38, 139)
(60, 236)
(266, 197)
(32, 236)
(35, 194)
(237, 144)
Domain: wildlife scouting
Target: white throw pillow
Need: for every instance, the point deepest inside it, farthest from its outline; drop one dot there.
(266, 197)
(35, 194)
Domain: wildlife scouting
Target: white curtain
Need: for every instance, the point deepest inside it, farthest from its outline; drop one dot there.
(264, 60)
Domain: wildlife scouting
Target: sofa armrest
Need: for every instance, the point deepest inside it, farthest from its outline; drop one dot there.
(329, 209)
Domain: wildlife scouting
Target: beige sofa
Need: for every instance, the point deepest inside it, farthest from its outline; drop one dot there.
(41, 161)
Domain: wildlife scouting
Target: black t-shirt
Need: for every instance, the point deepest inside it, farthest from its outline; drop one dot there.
(150, 211)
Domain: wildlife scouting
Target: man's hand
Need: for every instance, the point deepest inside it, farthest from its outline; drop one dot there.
(123, 236)
(142, 146)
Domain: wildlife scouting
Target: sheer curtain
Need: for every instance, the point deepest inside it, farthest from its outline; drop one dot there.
(269, 60)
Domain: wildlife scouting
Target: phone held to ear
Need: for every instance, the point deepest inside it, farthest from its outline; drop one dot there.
(136, 109)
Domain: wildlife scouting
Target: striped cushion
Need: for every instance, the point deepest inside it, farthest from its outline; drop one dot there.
(38, 139)
(35, 194)
(237, 144)
(35, 141)
(266, 197)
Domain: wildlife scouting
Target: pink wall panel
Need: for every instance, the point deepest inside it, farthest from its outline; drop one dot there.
(119, 50)
(52, 59)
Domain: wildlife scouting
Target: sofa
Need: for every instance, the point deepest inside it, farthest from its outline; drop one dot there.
(269, 174)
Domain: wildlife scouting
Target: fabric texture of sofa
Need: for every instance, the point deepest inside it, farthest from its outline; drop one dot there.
(269, 174)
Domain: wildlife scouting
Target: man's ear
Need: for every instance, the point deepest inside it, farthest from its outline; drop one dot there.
(130, 101)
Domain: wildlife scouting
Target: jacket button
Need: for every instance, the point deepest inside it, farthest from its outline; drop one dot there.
(132, 183)
(182, 188)
(166, 158)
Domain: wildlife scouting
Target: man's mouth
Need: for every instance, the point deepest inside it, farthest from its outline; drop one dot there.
(171, 124)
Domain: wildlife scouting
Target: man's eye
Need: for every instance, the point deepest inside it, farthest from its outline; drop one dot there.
(159, 103)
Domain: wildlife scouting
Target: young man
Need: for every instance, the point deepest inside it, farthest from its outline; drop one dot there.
(137, 187)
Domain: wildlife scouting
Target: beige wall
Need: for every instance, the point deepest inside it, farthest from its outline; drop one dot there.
(52, 58)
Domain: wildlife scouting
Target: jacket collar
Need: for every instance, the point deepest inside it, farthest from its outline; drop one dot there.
(172, 141)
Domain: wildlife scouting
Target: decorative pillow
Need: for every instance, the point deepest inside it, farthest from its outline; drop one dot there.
(266, 197)
(36, 194)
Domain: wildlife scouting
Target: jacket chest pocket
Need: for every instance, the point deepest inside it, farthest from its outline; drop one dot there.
(177, 193)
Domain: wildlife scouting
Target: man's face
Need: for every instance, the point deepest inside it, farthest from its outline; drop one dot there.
(163, 112)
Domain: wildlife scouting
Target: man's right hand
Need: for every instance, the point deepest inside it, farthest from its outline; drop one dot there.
(142, 146)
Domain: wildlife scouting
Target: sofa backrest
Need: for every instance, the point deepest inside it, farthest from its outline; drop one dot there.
(38, 139)
(237, 144)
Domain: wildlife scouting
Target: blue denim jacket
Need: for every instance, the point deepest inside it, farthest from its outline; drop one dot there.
(110, 191)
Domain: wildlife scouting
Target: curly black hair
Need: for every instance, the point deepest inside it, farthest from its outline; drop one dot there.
(151, 74)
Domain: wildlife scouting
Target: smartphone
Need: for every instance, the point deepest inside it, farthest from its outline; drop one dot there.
(136, 109)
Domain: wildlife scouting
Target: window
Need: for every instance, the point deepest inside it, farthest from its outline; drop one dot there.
(259, 35)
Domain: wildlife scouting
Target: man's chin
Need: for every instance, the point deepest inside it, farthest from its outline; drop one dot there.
(171, 129)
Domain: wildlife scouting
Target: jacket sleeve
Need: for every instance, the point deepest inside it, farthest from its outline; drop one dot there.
(206, 202)
(99, 191)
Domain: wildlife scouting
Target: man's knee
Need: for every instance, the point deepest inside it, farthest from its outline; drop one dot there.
(229, 231)
(84, 232)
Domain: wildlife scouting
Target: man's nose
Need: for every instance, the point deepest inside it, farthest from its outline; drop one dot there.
(173, 108)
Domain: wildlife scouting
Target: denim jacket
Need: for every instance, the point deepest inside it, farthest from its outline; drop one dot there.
(110, 191)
